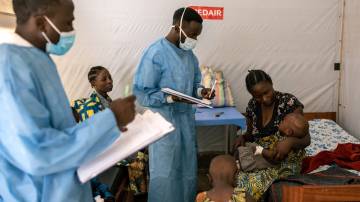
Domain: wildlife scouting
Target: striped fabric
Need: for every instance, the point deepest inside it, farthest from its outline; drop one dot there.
(223, 95)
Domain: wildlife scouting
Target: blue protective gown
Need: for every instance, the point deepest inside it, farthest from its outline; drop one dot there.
(41, 146)
(173, 159)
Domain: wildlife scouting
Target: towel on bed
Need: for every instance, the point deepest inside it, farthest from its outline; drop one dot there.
(345, 155)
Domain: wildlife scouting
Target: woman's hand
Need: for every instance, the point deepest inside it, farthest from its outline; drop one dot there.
(283, 148)
(240, 141)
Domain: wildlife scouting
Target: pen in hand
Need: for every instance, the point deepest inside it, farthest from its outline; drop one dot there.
(212, 89)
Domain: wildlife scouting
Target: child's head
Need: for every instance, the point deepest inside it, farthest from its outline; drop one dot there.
(294, 125)
(222, 170)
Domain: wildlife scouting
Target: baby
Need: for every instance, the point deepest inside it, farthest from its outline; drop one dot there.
(222, 174)
(253, 156)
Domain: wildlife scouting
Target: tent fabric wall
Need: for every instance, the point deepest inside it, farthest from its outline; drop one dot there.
(350, 94)
(7, 26)
(6, 6)
(293, 40)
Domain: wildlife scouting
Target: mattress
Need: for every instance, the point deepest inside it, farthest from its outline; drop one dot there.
(325, 136)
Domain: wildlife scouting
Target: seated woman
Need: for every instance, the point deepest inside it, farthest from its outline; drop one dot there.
(102, 83)
(265, 111)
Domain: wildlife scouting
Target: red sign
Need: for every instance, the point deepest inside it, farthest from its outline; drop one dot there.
(210, 13)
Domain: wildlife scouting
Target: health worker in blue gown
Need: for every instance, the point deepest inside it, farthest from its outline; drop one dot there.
(41, 146)
(171, 63)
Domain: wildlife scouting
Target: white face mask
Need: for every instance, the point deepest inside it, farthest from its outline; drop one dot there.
(189, 43)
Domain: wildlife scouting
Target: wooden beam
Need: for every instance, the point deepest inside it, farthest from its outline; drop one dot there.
(320, 115)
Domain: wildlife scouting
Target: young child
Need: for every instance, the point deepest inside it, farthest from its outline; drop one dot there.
(222, 173)
(253, 156)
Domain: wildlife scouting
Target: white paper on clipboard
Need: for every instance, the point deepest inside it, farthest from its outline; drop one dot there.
(144, 130)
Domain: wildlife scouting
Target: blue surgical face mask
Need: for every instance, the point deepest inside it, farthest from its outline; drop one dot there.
(64, 44)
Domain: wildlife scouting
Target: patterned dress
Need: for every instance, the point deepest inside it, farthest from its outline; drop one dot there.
(237, 196)
(87, 107)
(257, 182)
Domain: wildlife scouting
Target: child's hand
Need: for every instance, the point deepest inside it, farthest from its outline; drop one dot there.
(283, 148)
(270, 156)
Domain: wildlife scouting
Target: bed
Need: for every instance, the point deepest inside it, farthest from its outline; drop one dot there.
(327, 183)
(325, 136)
